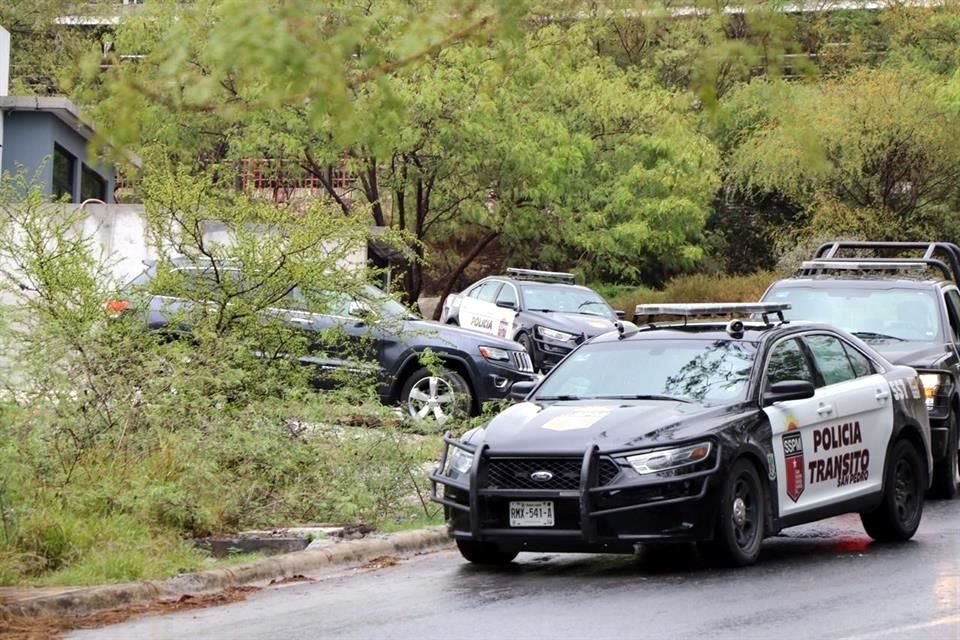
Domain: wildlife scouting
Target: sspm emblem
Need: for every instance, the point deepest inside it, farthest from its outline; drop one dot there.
(793, 463)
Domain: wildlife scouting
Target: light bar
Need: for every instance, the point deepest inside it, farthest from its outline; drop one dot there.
(543, 276)
(695, 309)
(861, 265)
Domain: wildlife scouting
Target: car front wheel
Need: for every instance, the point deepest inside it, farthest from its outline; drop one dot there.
(740, 519)
(898, 516)
(436, 396)
(484, 553)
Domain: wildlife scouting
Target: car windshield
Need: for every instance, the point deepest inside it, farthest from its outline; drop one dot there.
(339, 303)
(693, 370)
(565, 299)
(892, 314)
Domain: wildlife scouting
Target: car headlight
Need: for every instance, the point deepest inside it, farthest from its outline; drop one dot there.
(931, 386)
(665, 459)
(493, 353)
(459, 461)
(553, 334)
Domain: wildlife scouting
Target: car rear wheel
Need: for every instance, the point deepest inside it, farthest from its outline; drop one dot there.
(740, 519)
(946, 472)
(484, 553)
(437, 398)
(898, 516)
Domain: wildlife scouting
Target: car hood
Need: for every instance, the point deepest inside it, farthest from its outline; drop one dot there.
(572, 427)
(911, 354)
(577, 323)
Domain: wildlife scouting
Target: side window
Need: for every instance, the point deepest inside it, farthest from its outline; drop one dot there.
(507, 294)
(953, 313)
(831, 359)
(862, 365)
(488, 292)
(787, 362)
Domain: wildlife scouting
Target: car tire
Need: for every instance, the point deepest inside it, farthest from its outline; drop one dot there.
(440, 398)
(526, 342)
(484, 553)
(946, 474)
(899, 513)
(741, 519)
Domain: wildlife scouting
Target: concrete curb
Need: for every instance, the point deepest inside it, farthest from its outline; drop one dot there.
(86, 601)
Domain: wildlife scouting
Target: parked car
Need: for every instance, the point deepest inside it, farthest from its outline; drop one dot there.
(474, 368)
(720, 433)
(545, 311)
(902, 298)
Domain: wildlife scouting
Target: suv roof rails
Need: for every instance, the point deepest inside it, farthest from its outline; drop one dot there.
(542, 276)
(942, 256)
(711, 309)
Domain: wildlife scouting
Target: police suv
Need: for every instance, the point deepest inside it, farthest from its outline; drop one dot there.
(545, 311)
(715, 432)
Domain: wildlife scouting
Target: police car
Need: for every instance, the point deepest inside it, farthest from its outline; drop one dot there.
(715, 432)
(545, 311)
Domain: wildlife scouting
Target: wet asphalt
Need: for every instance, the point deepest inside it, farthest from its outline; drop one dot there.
(825, 580)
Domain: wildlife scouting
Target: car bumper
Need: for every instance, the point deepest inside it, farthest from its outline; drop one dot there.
(612, 517)
(494, 383)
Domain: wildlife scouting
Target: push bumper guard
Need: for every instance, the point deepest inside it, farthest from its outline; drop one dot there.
(589, 488)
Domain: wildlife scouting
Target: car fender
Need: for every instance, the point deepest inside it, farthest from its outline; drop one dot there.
(410, 362)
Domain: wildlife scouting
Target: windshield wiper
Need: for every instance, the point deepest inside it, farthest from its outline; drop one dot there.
(646, 396)
(560, 397)
(542, 310)
(872, 335)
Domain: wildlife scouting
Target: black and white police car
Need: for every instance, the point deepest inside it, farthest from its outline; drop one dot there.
(720, 433)
(545, 311)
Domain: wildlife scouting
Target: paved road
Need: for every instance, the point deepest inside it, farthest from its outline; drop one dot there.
(819, 581)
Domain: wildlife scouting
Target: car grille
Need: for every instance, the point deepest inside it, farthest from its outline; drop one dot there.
(522, 361)
(514, 473)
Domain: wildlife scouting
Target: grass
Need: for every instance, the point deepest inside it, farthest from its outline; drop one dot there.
(419, 522)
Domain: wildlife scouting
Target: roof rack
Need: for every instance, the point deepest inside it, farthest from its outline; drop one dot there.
(711, 309)
(942, 256)
(542, 276)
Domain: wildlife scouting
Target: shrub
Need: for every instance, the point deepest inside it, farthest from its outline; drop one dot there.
(698, 288)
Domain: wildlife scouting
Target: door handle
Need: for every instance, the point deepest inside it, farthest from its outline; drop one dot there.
(825, 410)
(881, 395)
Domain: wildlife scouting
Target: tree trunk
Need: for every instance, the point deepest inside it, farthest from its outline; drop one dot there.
(464, 263)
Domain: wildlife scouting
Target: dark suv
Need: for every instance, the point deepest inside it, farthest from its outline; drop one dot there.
(902, 298)
(474, 368)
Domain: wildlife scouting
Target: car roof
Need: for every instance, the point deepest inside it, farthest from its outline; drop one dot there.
(522, 281)
(866, 282)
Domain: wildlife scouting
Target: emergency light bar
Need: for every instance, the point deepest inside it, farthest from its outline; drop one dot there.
(542, 276)
(812, 267)
(710, 309)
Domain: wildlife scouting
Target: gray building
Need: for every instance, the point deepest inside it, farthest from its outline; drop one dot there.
(46, 138)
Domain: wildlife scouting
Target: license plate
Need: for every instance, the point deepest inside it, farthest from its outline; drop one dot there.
(531, 514)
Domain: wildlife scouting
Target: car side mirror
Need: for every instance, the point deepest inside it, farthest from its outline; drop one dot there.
(520, 390)
(507, 304)
(621, 314)
(788, 390)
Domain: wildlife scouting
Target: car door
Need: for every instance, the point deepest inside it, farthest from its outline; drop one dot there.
(508, 306)
(792, 424)
(478, 310)
(848, 450)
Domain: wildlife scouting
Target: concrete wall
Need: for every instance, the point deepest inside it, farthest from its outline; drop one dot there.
(120, 232)
(28, 142)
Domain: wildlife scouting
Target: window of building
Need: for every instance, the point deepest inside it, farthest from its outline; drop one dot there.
(92, 185)
(63, 169)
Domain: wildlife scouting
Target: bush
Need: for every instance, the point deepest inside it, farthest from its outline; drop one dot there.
(698, 288)
(119, 446)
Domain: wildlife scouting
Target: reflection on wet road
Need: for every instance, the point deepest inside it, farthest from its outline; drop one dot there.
(819, 581)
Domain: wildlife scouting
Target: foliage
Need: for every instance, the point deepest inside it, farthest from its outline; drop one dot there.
(118, 445)
(697, 288)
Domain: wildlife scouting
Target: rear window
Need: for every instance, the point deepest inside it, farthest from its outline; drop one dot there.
(894, 313)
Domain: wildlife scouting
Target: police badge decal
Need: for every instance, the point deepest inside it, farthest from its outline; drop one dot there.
(793, 463)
